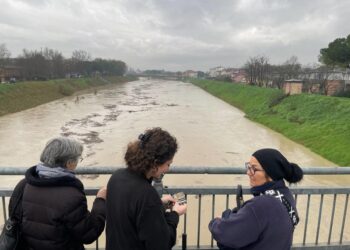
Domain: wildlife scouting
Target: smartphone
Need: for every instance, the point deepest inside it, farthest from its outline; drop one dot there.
(180, 198)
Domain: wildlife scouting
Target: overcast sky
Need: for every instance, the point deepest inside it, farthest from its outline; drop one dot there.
(176, 34)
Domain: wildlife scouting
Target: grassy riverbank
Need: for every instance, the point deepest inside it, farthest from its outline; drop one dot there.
(24, 95)
(321, 123)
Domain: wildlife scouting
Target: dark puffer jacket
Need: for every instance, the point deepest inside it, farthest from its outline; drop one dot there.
(55, 214)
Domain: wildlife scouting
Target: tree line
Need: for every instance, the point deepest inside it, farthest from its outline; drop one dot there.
(51, 64)
(334, 59)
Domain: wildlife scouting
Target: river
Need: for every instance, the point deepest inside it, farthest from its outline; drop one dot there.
(209, 131)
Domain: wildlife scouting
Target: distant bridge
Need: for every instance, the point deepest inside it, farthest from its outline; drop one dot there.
(160, 76)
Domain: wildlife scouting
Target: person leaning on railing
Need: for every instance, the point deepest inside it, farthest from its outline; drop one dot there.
(136, 216)
(55, 214)
(267, 221)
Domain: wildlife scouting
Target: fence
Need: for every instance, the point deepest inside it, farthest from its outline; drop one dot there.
(323, 210)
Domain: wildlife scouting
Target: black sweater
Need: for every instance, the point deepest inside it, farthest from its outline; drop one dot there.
(136, 219)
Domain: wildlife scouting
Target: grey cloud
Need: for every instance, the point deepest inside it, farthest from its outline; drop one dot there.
(176, 34)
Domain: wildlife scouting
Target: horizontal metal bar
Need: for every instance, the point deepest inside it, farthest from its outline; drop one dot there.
(210, 190)
(345, 246)
(223, 190)
(186, 170)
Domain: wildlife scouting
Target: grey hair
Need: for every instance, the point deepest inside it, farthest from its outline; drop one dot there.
(60, 151)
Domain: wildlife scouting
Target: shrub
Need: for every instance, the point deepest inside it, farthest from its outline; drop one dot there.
(65, 90)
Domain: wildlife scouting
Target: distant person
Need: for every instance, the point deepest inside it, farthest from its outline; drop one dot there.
(267, 221)
(136, 216)
(55, 212)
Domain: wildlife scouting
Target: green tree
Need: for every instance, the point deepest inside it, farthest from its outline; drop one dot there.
(337, 53)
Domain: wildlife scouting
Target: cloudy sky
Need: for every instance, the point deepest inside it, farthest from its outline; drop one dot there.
(176, 34)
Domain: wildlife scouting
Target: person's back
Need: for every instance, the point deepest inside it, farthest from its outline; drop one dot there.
(130, 196)
(136, 215)
(53, 212)
(274, 223)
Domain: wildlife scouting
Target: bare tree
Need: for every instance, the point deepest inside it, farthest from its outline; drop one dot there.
(4, 55)
(290, 69)
(34, 65)
(322, 75)
(55, 61)
(80, 61)
(258, 70)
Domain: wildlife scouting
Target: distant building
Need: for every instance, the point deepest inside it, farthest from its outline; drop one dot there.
(315, 88)
(191, 74)
(239, 76)
(334, 86)
(293, 86)
(10, 72)
(215, 72)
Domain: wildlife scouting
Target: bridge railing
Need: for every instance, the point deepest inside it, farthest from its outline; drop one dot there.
(323, 211)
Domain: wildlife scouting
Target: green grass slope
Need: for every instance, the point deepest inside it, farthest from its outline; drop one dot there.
(321, 123)
(24, 95)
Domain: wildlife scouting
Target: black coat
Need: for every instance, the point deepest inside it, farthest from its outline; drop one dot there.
(55, 213)
(136, 219)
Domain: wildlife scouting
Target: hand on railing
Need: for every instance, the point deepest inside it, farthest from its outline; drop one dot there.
(102, 193)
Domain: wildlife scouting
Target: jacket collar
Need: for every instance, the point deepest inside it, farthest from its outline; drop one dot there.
(268, 185)
(33, 179)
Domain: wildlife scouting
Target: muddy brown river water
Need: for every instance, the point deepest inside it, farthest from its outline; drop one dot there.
(210, 132)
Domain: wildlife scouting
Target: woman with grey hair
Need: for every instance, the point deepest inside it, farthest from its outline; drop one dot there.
(54, 207)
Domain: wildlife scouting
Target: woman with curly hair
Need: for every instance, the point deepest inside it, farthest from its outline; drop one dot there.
(136, 216)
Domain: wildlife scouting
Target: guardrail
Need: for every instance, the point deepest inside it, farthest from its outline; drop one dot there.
(323, 210)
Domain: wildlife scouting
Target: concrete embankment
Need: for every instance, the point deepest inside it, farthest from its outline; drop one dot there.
(321, 123)
(24, 95)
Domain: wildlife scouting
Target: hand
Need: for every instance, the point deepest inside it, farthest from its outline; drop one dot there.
(102, 193)
(180, 209)
(226, 214)
(168, 201)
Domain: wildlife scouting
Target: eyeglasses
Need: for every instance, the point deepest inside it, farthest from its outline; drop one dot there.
(251, 168)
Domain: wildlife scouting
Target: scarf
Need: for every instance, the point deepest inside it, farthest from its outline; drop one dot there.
(57, 172)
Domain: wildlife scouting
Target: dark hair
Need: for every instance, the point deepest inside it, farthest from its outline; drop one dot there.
(277, 166)
(153, 148)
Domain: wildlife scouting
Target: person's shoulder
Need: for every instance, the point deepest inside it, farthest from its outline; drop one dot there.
(120, 173)
(263, 201)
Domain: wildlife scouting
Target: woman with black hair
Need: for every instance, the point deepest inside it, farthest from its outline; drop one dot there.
(267, 221)
(136, 216)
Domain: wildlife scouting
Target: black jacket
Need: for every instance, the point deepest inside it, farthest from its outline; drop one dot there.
(55, 213)
(136, 219)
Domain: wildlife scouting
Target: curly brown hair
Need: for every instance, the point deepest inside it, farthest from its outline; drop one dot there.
(153, 148)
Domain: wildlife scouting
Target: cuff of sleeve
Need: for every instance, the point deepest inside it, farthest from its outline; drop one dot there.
(99, 206)
(172, 218)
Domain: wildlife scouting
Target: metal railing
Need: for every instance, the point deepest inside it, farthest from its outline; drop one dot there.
(323, 210)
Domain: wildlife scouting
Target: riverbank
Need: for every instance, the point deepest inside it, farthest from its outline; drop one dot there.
(321, 123)
(24, 95)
